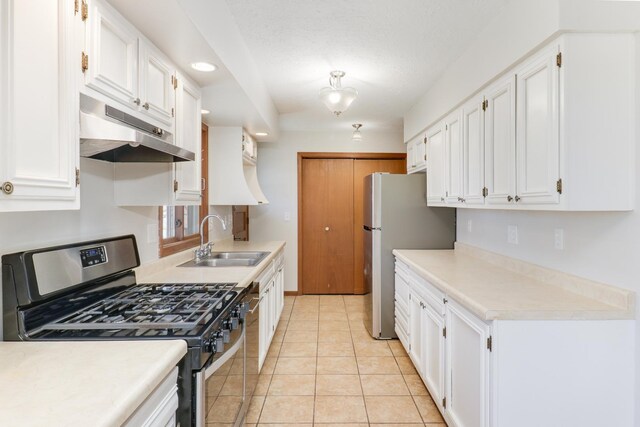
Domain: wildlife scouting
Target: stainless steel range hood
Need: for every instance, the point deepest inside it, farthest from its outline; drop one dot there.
(109, 134)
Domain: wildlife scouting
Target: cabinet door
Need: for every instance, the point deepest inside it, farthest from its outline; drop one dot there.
(473, 152)
(420, 153)
(434, 345)
(280, 291)
(467, 372)
(273, 319)
(416, 336)
(189, 136)
(454, 159)
(538, 133)
(157, 93)
(112, 47)
(435, 165)
(500, 142)
(263, 327)
(39, 66)
(411, 164)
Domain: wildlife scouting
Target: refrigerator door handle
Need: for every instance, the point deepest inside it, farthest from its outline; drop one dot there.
(366, 227)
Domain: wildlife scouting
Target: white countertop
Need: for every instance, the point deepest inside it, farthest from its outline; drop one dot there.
(98, 383)
(166, 269)
(496, 287)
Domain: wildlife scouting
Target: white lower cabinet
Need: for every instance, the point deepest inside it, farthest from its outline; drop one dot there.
(271, 305)
(525, 373)
(159, 409)
(467, 373)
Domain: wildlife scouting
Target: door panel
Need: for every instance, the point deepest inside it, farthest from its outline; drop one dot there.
(362, 168)
(435, 165)
(453, 165)
(473, 147)
(538, 135)
(500, 141)
(327, 226)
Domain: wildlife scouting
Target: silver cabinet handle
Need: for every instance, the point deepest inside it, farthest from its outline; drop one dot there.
(509, 198)
(146, 106)
(442, 199)
(517, 198)
(136, 101)
(252, 310)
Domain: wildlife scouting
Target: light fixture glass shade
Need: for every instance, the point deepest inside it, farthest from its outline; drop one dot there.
(357, 136)
(337, 98)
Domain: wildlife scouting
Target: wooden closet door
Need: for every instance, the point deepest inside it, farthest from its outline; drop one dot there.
(362, 168)
(327, 226)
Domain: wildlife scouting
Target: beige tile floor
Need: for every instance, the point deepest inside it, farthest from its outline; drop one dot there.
(324, 369)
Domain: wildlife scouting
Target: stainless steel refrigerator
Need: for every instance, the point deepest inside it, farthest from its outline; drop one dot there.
(396, 216)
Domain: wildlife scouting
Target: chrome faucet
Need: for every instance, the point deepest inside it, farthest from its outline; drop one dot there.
(205, 250)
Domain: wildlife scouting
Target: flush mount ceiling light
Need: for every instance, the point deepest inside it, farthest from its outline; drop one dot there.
(203, 66)
(357, 136)
(262, 134)
(337, 98)
(203, 111)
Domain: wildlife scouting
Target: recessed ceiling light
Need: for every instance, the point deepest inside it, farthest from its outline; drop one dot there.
(203, 66)
(203, 111)
(262, 134)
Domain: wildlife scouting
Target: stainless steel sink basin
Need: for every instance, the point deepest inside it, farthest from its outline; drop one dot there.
(228, 259)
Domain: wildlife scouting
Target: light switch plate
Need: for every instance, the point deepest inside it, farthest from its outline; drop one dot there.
(512, 234)
(287, 216)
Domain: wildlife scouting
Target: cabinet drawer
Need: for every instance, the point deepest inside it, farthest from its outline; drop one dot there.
(402, 305)
(402, 288)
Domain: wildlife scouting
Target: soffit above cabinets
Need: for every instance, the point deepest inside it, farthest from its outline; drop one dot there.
(229, 99)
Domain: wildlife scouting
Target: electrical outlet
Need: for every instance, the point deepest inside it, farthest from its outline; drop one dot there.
(287, 216)
(152, 233)
(512, 234)
(469, 226)
(558, 238)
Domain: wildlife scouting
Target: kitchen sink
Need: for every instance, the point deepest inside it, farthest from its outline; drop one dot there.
(228, 259)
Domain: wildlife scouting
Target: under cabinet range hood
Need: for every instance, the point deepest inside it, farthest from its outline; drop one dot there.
(109, 134)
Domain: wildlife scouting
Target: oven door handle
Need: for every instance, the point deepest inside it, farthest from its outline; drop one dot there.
(255, 307)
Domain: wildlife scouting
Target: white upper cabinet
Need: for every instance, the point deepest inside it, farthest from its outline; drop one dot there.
(537, 138)
(39, 63)
(500, 141)
(157, 88)
(112, 55)
(416, 154)
(473, 151)
(558, 132)
(436, 179)
(189, 136)
(453, 158)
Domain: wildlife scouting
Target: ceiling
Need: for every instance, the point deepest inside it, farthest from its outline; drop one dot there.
(391, 51)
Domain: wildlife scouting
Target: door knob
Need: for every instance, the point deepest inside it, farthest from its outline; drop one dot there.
(326, 229)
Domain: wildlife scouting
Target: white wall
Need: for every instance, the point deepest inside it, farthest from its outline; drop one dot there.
(600, 246)
(97, 218)
(278, 176)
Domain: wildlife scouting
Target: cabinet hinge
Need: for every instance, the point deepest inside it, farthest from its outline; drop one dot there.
(446, 127)
(174, 82)
(444, 300)
(444, 402)
(77, 177)
(485, 105)
(490, 343)
(485, 192)
(409, 347)
(175, 185)
(173, 112)
(85, 10)
(444, 332)
(85, 62)
(559, 59)
(559, 186)
(425, 157)
(425, 139)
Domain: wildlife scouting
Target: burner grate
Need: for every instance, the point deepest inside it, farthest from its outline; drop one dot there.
(173, 306)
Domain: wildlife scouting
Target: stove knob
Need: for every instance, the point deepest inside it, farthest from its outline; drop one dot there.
(226, 336)
(235, 322)
(218, 342)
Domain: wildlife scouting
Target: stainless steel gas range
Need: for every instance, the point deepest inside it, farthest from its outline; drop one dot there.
(88, 291)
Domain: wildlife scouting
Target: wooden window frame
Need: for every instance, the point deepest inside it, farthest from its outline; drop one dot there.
(178, 243)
